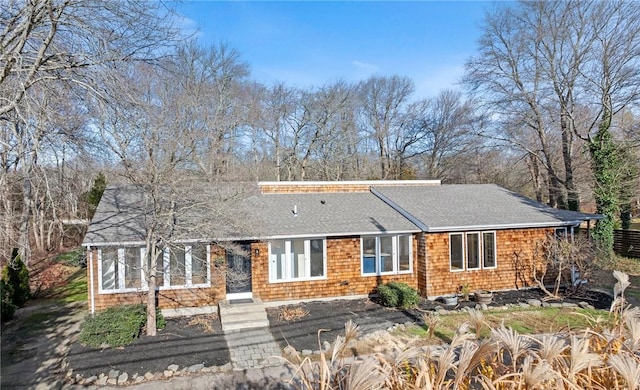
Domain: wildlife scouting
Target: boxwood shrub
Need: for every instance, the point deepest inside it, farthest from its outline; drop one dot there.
(116, 326)
(407, 295)
(398, 294)
(388, 296)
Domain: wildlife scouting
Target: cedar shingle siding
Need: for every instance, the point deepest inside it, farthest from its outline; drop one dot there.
(343, 274)
(341, 213)
(515, 253)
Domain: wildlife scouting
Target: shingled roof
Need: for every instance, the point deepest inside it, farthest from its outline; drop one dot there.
(328, 214)
(458, 207)
(389, 209)
(209, 212)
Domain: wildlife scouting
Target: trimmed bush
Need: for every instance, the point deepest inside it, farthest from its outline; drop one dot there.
(397, 294)
(388, 296)
(407, 296)
(7, 308)
(116, 326)
(14, 287)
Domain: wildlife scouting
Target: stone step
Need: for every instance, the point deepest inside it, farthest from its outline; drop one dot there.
(239, 309)
(238, 316)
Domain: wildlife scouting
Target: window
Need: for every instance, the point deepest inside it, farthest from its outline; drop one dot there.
(489, 249)
(133, 268)
(316, 258)
(120, 269)
(369, 255)
(291, 260)
(109, 273)
(177, 270)
(404, 253)
(456, 251)
(199, 265)
(386, 254)
(472, 251)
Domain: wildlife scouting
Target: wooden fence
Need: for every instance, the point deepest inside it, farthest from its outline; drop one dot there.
(627, 243)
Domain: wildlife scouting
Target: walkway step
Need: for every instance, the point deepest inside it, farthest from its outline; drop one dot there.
(253, 348)
(239, 316)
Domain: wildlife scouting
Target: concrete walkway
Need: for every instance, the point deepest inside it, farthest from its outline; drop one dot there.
(253, 348)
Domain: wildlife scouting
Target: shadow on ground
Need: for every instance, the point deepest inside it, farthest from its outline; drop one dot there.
(35, 342)
(179, 343)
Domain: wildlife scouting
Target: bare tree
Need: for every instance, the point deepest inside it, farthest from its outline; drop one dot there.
(565, 263)
(334, 132)
(507, 77)
(211, 102)
(53, 48)
(571, 66)
(160, 155)
(383, 104)
(274, 115)
(442, 132)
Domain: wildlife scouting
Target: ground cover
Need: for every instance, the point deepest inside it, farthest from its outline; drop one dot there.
(325, 321)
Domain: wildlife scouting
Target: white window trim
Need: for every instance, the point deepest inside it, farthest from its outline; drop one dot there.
(395, 242)
(481, 251)
(165, 265)
(410, 270)
(464, 252)
(121, 275)
(287, 267)
(495, 249)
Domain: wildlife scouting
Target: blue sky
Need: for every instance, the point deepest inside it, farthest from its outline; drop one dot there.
(309, 44)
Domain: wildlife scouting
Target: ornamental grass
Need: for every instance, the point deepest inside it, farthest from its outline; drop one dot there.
(603, 356)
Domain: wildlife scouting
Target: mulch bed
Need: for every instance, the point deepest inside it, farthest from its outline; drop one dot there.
(330, 316)
(182, 342)
(185, 345)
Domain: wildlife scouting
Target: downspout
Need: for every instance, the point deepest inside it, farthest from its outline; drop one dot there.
(91, 296)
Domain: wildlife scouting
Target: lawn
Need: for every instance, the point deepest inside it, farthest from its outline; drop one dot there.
(62, 278)
(635, 224)
(524, 321)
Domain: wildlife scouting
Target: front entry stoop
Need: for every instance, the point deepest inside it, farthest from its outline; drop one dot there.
(242, 314)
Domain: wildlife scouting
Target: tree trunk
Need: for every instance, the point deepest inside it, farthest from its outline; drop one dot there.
(605, 165)
(573, 198)
(534, 170)
(24, 249)
(151, 293)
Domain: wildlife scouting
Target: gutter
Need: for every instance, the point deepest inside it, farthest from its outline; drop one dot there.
(260, 238)
(91, 293)
(441, 229)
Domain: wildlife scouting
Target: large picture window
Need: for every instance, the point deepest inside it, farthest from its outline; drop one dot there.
(386, 254)
(291, 260)
(121, 270)
(472, 251)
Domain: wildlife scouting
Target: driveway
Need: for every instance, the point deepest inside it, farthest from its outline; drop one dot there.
(35, 343)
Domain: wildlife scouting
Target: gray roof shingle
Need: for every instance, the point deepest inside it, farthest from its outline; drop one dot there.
(474, 206)
(333, 214)
(120, 217)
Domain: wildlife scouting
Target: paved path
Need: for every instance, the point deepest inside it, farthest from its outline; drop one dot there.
(252, 348)
(35, 343)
